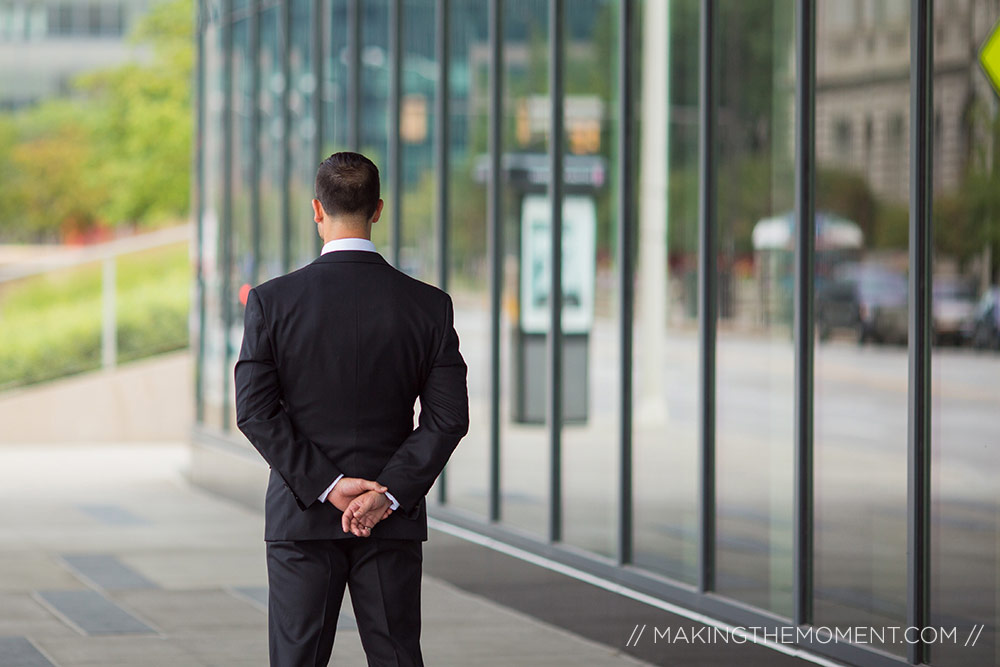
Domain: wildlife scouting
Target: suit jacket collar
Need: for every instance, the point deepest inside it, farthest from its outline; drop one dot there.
(363, 256)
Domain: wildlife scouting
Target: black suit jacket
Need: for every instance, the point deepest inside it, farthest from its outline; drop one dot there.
(334, 357)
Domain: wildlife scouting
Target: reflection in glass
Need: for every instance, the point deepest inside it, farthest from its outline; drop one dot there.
(591, 311)
(861, 310)
(965, 417)
(375, 95)
(211, 213)
(468, 470)
(665, 357)
(524, 448)
(417, 129)
(754, 355)
(334, 88)
(243, 267)
(374, 78)
(301, 134)
(272, 134)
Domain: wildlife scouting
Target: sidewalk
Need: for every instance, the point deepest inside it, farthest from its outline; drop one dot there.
(109, 557)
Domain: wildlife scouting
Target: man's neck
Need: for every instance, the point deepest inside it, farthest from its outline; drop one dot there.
(336, 229)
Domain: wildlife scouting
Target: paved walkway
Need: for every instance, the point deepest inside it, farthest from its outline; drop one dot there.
(109, 557)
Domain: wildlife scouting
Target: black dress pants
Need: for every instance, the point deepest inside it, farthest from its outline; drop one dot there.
(306, 582)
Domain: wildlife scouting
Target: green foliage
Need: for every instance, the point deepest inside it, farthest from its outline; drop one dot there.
(48, 186)
(468, 231)
(847, 193)
(51, 324)
(969, 221)
(145, 122)
(118, 151)
(892, 227)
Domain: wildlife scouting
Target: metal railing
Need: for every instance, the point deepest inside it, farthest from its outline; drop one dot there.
(107, 254)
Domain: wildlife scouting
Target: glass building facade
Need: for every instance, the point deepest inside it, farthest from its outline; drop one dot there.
(750, 364)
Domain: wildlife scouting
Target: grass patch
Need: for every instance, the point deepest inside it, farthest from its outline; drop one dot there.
(50, 325)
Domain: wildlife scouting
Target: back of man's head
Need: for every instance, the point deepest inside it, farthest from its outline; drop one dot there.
(347, 185)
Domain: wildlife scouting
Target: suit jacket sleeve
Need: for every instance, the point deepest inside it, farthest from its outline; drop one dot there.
(444, 419)
(302, 465)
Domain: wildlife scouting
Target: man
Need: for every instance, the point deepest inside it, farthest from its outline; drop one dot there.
(334, 357)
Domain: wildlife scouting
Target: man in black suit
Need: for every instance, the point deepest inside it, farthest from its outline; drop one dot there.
(334, 357)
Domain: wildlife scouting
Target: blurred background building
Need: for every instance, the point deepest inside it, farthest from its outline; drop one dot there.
(45, 43)
(862, 89)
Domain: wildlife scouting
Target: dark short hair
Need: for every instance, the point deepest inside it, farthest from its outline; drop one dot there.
(347, 184)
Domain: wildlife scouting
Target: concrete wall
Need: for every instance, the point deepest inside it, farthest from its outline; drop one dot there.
(149, 400)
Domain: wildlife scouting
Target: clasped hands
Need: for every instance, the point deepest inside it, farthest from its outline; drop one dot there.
(363, 503)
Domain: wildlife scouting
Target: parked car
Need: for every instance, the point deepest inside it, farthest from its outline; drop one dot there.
(867, 300)
(982, 329)
(953, 305)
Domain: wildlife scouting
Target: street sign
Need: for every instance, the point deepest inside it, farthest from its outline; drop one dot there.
(989, 57)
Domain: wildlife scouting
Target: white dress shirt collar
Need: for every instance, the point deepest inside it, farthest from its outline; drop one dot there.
(348, 244)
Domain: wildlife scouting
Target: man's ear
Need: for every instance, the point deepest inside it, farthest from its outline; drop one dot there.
(378, 211)
(318, 212)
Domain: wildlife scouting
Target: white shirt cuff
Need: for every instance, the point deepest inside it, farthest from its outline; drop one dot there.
(322, 496)
(395, 503)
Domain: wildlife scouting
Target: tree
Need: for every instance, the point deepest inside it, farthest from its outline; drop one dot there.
(145, 122)
(47, 188)
(117, 151)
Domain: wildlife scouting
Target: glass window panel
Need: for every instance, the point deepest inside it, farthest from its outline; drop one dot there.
(418, 252)
(271, 135)
(93, 19)
(524, 451)
(375, 95)
(754, 353)
(213, 378)
(242, 154)
(468, 470)
(665, 354)
(111, 20)
(302, 135)
(591, 314)
(335, 78)
(861, 311)
(965, 418)
(243, 269)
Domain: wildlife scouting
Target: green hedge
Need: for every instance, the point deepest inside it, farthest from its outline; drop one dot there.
(51, 325)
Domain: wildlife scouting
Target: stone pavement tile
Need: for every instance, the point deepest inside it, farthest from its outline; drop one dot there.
(111, 514)
(200, 567)
(19, 652)
(234, 647)
(21, 614)
(460, 627)
(347, 649)
(253, 595)
(196, 611)
(105, 571)
(29, 570)
(117, 652)
(11, 539)
(93, 613)
(87, 536)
